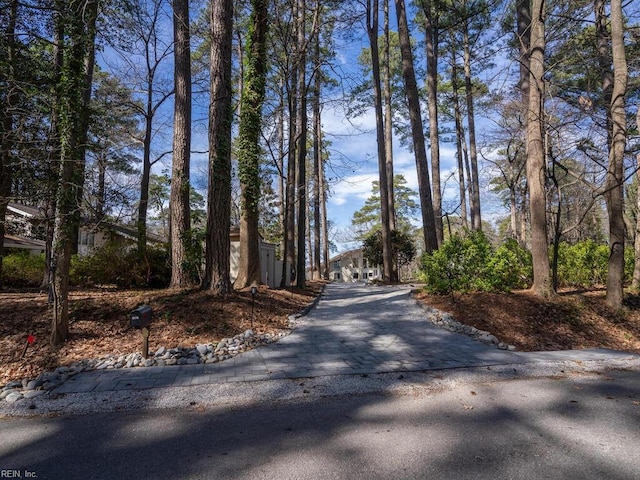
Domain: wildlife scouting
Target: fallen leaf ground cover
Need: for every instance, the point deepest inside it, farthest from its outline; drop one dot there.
(99, 321)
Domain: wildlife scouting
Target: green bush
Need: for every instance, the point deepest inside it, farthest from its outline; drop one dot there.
(510, 267)
(629, 263)
(469, 263)
(112, 264)
(22, 270)
(583, 264)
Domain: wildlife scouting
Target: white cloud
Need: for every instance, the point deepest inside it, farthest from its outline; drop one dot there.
(354, 187)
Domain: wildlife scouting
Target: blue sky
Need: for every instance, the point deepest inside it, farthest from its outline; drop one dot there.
(353, 149)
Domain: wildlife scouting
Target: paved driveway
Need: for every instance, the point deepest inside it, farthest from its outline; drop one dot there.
(355, 329)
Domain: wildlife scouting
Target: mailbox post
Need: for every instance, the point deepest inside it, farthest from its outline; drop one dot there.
(140, 318)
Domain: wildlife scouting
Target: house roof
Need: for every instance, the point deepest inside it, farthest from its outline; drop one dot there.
(15, 241)
(350, 253)
(25, 210)
(129, 232)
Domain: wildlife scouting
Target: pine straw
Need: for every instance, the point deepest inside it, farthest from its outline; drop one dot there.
(572, 320)
(99, 323)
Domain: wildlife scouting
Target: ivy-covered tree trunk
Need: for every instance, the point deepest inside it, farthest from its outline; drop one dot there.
(415, 116)
(218, 245)
(536, 166)
(53, 140)
(7, 112)
(180, 184)
(249, 144)
(73, 110)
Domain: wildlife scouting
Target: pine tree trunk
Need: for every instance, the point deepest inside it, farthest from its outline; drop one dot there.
(325, 222)
(424, 187)
(475, 177)
(387, 251)
(143, 204)
(431, 41)
(180, 185)
(301, 145)
(460, 137)
(217, 276)
(388, 122)
(523, 13)
(536, 167)
(615, 172)
(317, 162)
(281, 166)
(289, 265)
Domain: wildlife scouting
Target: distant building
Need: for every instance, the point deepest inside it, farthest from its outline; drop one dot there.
(28, 223)
(33, 246)
(270, 266)
(26, 231)
(351, 267)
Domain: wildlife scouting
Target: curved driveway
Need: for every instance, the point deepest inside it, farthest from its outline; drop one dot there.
(355, 329)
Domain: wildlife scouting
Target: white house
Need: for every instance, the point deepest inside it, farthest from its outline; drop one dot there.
(26, 231)
(352, 267)
(28, 223)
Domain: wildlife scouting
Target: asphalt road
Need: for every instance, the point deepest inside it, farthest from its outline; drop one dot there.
(576, 426)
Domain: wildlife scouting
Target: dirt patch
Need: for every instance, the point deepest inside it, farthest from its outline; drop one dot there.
(99, 323)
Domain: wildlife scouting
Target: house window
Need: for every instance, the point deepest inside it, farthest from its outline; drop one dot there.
(87, 238)
(355, 276)
(336, 276)
(370, 274)
(336, 264)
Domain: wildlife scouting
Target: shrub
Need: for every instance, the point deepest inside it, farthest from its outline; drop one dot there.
(113, 264)
(21, 269)
(510, 267)
(583, 264)
(469, 263)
